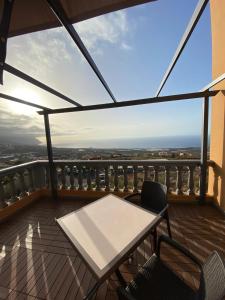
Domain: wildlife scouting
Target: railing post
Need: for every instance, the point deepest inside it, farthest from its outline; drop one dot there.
(107, 188)
(2, 195)
(58, 176)
(151, 173)
(72, 181)
(22, 184)
(156, 171)
(13, 195)
(31, 181)
(179, 180)
(191, 180)
(116, 182)
(146, 173)
(80, 178)
(135, 179)
(167, 181)
(38, 176)
(63, 174)
(89, 188)
(204, 150)
(125, 178)
(97, 179)
(46, 181)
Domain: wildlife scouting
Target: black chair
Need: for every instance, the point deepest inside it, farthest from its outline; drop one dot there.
(153, 197)
(156, 281)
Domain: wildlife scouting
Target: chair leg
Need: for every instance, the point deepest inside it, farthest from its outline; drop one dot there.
(131, 258)
(120, 278)
(168, 224)
(155, 239)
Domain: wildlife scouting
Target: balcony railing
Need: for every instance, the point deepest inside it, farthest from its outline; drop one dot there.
(182, 177)
(19, 181)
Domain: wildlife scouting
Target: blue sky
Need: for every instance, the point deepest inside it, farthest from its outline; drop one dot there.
(132, 48)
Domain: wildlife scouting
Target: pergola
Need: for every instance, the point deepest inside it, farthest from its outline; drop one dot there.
(25, 16)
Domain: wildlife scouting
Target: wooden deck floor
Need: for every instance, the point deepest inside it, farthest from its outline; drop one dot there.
(37, 262)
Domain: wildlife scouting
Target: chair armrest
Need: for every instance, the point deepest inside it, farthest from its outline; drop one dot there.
(129, 197)
(134, 198)
(179, 247)
(123, 294)
(164, 210)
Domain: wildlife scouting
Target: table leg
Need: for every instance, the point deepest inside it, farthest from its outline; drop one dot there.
(120, 278)
(92, 291)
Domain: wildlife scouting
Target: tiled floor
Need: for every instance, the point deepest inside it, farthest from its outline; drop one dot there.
(37, 262)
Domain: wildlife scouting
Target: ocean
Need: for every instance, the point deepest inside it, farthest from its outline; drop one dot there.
(138, 143)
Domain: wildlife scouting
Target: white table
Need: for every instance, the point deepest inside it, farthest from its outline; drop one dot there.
(105, 231)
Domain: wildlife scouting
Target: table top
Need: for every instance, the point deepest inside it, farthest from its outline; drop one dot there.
(105, 230)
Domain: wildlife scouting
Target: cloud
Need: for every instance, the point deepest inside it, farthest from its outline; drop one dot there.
(26, 130)
(57, 130)
(39, 51)
(125, 46)
(110, 28)
(42, 53)
(19, 129)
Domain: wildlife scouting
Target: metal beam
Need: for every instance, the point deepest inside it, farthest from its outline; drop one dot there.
(190, 28)
(4, 30)
(60, 13)
(37, 83)
(52, 170)
(204, 150)
(214, 82)
(133, 102)
(11, 98)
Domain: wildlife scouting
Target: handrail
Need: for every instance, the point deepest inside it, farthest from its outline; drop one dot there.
(133, 161)
(16, 168)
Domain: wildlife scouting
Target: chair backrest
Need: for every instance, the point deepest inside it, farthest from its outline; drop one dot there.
(153, 195)
(212, 283)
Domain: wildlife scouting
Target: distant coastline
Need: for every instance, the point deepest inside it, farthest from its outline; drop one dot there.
(127, 149)
(167, 142)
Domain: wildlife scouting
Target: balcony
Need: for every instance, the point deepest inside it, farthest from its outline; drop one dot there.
(37, 262)
(182, 178)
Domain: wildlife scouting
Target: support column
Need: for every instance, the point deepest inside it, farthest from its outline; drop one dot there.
(52, 170)
(217, 143)
(204, 150)
(4, 30)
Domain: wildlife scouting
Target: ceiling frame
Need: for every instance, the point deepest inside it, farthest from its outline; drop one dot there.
(120, 104)
(10, 69)
(187, 34)
(58, 10)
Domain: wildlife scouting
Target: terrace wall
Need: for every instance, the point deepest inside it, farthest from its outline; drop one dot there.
(217, 144)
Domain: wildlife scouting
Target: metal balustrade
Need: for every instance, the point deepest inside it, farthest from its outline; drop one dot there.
(181, 177)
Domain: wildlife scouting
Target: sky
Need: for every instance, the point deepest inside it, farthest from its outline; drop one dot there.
(132, 48)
